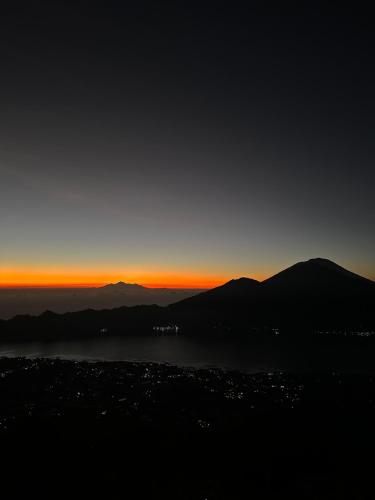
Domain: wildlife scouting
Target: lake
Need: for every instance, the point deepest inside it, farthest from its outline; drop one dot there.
(245, 354)
(178, 350)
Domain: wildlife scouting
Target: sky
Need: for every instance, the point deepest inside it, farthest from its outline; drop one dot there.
(175, 144)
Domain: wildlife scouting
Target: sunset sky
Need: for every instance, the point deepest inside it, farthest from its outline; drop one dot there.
(183, 146)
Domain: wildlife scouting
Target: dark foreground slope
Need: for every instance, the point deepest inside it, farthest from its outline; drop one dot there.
(141, 431)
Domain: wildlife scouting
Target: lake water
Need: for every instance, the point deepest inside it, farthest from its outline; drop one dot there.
(238, 353)
(177, 350)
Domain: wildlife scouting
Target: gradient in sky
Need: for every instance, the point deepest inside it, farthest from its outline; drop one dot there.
(183, 145)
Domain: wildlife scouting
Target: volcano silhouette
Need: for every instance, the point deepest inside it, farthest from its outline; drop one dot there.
(314, 292)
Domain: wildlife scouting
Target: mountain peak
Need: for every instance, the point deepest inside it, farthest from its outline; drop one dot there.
(240, 281)
(122, 285)
(317, 262)
(319, 273)
(235, 290)
(321, 260)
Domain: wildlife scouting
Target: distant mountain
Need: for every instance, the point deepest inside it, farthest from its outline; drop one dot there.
(120, 286)
(61, 300)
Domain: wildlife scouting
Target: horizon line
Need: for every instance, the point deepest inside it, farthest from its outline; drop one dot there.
(55, 277)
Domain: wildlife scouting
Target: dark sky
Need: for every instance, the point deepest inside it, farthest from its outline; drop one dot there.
(147, 138)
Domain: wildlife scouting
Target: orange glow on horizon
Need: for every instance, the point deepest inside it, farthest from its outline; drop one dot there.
(45, 277)
(162, 284)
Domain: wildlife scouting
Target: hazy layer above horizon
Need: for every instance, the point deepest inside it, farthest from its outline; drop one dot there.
(14, 301)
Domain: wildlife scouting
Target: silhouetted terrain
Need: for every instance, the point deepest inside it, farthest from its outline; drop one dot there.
(307, 297)
(15, 301)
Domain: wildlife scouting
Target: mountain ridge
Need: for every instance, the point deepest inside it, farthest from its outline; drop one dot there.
(308, 296)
